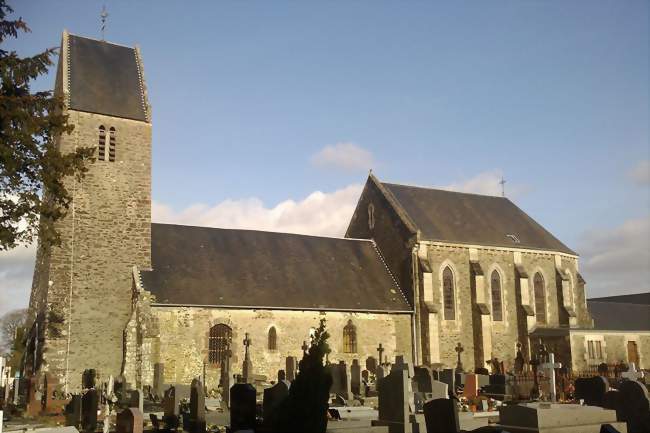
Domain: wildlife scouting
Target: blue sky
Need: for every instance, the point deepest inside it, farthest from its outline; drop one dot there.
(247, 97)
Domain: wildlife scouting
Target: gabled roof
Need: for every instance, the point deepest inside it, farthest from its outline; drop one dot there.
(619, 316)
(247, 268)
(474, 219)
(637, 298)
(105, 78)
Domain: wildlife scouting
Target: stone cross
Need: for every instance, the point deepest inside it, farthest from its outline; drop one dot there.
(459, 349)
(304, 346)
(248, 365)
(380, 349)
(247, 343)
(631, 373)
(550, 367)
(225, 375)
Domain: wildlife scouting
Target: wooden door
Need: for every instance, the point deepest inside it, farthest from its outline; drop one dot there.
(632, 353)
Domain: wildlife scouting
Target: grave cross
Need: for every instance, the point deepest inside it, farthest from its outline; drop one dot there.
(304, 346)
(550, 367)
(631, 373)
(380, 349)
(247, 342)
(459, 349)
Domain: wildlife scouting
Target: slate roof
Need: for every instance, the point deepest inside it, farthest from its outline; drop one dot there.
(246, 268)
(619, 316)
(637, 298)
(475, 219)
(105, 78)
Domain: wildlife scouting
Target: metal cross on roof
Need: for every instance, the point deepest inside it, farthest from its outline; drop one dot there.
(103, 17)
(502, 182)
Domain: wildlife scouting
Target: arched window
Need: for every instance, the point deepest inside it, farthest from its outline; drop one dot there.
(273, 339)
(101, 154)
(540, 298)
(111, 144)
(219, 343)
(495, 286)
(350, 338)
(448, 294)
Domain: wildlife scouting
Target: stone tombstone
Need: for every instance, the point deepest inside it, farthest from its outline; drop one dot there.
(423, 378)
(129, 421)
(553, 417)
(171, 402)
(72, 411)
(365, 376)
(470, 390)
(441, 416)
(371, 364)
(136, 399)
(448, 376)
(355, 377)
(89, 406)
(401, 364)
(242, 407)
(592, 390)
(394, 411)
(273, 398)
(158, 379)
(439, 390)
(291, 365)
(635, 406)
(88, 378)
(197, 407)
(119, 387)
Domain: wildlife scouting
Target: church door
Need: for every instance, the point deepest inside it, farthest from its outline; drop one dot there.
(632, 353)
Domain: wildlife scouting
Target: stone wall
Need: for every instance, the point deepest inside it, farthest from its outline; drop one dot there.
(614, 348)
(84, 286)
(184, 332)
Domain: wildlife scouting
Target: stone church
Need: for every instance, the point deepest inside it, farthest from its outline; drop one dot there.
(418, 271)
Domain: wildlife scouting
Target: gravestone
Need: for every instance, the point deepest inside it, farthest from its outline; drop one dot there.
(441, 416)
(470, 390)
(136, 399)
(197, 407)
(88, 378)
(89, 405)
(423, 378)
(72, 411)
(498, 387)
(291, 364)
(591, 390)
(247, 369)
(242, 407)
(549, 369)
(401, 364)
(635, 406)
(631, 373)
(394, 411)
(439, 390)
(129, 421)
(119, 388)
(448, 376)
(355, 377)
(273, 398)
(158, 379)
(371, 364)
(519, 360)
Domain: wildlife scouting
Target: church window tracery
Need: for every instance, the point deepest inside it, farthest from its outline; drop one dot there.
(540, 298)
(448, 294)
(273, 339)
(219, 343)
(111, 144)
(350, 338)
(101, 154)
(497, 306)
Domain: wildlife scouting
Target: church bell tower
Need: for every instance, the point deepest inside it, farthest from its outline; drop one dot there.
(82, 290)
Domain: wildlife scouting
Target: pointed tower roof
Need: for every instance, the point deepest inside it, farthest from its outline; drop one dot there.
(104, 78)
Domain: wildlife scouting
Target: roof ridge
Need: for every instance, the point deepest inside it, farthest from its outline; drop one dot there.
(444, 190)
(101, 40)
(263, 231)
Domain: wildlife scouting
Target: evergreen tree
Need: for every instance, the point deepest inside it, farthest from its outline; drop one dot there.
(32, 169)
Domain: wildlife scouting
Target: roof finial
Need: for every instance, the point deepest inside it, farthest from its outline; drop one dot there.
(103, 16)
(503, 188)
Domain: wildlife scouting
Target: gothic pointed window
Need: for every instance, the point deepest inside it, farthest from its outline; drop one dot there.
(350, 338)
(111, 144)
(101, 153)
(448, 294)
(273, 339)
(497, 306)
(219, 343)
(540, 298)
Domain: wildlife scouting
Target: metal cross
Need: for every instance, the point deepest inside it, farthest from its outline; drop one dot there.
(304, 346)
(502, 182)
(103, 16)
(380, 349)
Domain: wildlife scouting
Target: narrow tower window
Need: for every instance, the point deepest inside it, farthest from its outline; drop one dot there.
(101, 154)
(111, 145)
(540, 298)
(448, 294)
(219, 342)
(273, 339)
(497, 307)
(350, 338)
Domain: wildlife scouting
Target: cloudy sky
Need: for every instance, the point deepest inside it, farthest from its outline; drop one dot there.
(269, 114)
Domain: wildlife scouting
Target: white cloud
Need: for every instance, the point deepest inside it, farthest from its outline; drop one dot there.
(16, 269)
(486, 183)
(616, 261)
(640, 174)
(320, 213)
(346, 156)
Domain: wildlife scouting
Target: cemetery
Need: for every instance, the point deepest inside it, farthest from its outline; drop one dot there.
(371, 395)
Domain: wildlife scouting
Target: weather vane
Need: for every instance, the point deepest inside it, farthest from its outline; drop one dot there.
(103, 16)
(503, 188)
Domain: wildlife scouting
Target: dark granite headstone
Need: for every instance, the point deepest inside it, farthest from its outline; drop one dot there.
(371, 364)
(273, 398)
(635, 406)
(423, 378)
(197, 407)
(441, 416)
(448, 376)
(355, 377)
(89, 404)
(591, 390)
(242, 407)
(88, 378)
(129, 421)
(73, 411)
